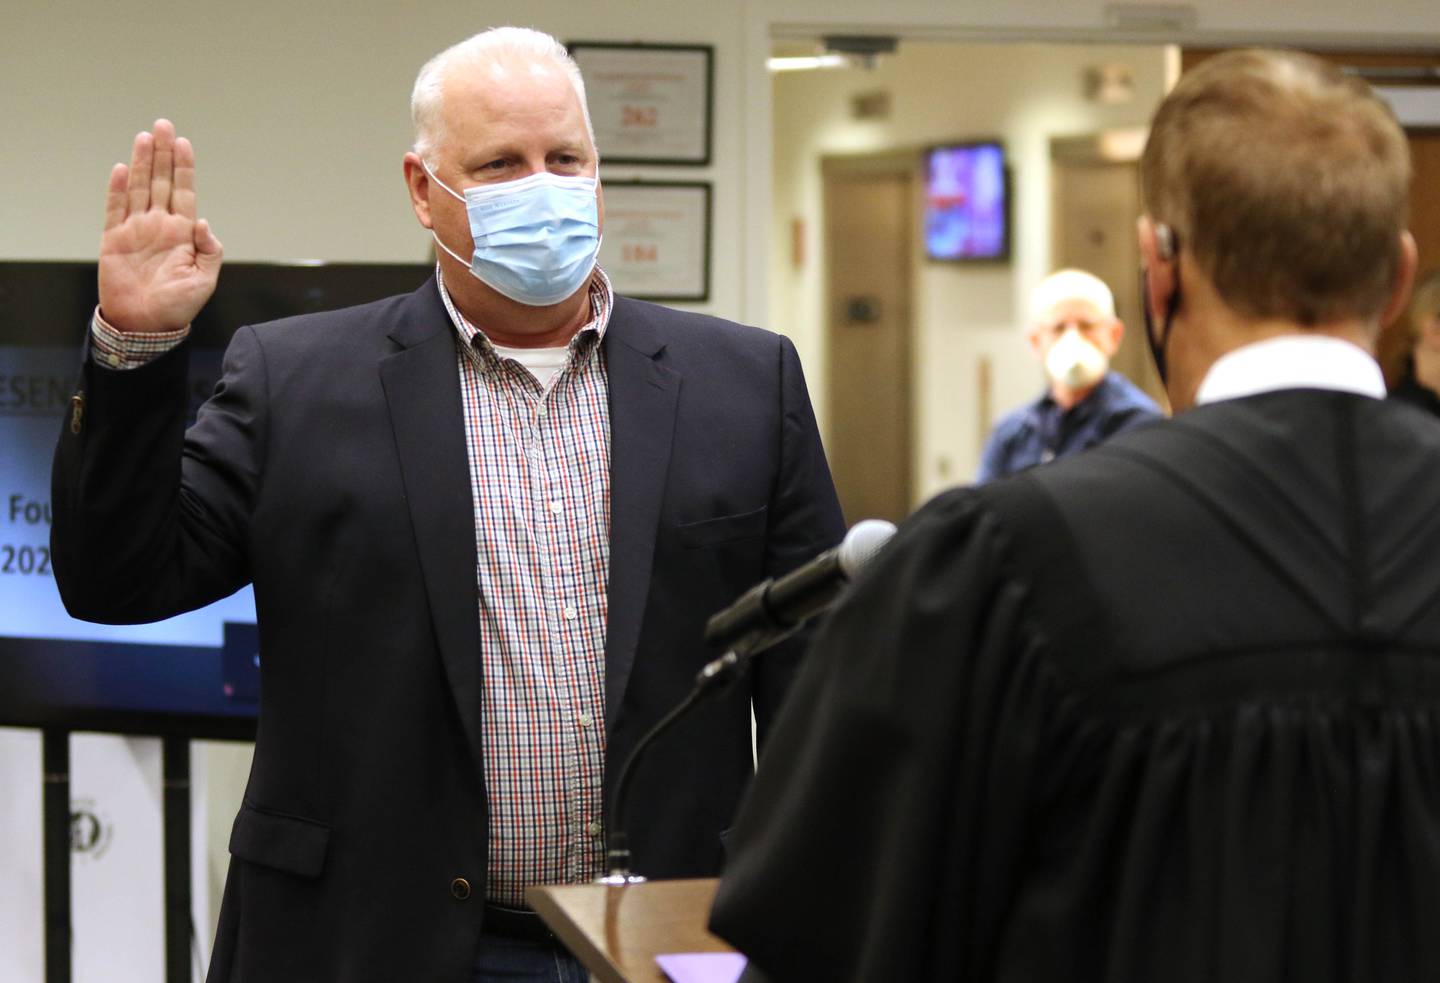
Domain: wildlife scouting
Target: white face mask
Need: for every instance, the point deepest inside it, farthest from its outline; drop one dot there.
(1075, 362)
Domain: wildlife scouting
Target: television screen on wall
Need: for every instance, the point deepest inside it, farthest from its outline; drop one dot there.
(194, 675)
(967, 202)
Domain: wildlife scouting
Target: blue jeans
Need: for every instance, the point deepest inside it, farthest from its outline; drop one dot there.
(506, 960)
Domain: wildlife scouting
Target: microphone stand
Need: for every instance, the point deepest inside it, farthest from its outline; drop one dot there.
(767, 613)
(713, 678)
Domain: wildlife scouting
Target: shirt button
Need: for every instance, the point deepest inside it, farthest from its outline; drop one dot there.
(114, 359)
(592, 829)
(585, 719)
(557, 507)
(570, 612)
(459, 889)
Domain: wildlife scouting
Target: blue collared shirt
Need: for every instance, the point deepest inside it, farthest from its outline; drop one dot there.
(1042, 431)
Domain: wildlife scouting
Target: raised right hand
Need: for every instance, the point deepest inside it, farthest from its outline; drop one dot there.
(158, 265)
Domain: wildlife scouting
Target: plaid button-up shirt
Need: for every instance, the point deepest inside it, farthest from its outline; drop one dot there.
(540, 481)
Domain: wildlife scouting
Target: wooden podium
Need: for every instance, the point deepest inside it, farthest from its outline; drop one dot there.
(617, 931)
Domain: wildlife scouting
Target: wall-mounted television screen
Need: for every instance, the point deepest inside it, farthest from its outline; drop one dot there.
(967, 202)
(195, 675)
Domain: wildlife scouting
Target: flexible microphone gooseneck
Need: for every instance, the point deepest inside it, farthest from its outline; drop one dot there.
(766, 614)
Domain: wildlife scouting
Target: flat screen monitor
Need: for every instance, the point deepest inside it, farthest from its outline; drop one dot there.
(195, 675)
(967, 202)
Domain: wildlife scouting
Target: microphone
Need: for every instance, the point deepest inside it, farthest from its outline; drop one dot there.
(771, 610)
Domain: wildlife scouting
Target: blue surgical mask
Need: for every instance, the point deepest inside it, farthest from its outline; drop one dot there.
(536, 238)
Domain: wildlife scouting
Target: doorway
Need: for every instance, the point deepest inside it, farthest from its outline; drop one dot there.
(869, 208)
(1096, 203)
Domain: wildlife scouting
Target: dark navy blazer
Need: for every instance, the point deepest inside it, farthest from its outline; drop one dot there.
(329, 469)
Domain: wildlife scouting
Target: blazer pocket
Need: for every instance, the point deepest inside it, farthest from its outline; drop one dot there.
(288, 843)
(722, 529)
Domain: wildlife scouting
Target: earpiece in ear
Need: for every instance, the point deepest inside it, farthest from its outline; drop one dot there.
(1165, 240)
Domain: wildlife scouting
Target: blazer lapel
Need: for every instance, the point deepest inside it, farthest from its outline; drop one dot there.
(422, 388)
(643, 397)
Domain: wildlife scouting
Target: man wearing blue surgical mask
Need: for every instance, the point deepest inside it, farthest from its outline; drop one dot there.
(485, 521)
(504, 174)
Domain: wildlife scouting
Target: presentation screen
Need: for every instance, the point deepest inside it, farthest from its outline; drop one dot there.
(967, 202)
(197, 674)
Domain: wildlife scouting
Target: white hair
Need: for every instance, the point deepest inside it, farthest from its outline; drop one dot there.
(483, 48)
(1066, 285)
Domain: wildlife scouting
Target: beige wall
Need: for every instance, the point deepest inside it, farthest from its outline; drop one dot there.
(299, 111)
(299, 114)
(1024, 94)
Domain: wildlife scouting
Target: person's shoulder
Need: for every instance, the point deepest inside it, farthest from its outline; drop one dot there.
(1410, 392)
(1014, 421)
(1412, 422)
(372, 320)
(1197, 442)
(1124, 395)
(951, 520)
(686, 329)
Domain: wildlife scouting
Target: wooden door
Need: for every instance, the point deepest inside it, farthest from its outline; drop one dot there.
(869, 223)
(1096, 203)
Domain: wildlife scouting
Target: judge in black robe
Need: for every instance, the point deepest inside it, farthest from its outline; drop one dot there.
(1167, 711)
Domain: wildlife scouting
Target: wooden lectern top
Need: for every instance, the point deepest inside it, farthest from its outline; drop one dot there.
(617, 931)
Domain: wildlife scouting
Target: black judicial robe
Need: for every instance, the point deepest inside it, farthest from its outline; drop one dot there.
(1166, 711)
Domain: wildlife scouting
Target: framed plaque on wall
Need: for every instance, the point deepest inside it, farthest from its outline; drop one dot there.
(649, 103)
(657, 239)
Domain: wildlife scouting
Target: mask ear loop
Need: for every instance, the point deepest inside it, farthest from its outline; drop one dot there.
(453, 193)
(1168, 247)
(456, 256)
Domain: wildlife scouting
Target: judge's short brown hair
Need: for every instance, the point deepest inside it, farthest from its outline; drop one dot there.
(1286, 180)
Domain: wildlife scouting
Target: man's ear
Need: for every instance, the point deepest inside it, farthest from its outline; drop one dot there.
(1157, 259)
(1404, 280)
(1114, 334)
(417, 180)
(1034, 337)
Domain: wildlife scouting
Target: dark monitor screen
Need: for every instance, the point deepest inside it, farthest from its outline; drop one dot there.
(194, 675)
(967, 202)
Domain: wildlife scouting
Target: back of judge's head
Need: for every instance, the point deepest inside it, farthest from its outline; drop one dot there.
(1286, 181)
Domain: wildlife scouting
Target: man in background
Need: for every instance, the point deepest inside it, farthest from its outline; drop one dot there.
(1074, 333)
(1419, 385)
(1169, 709)
(485, 523)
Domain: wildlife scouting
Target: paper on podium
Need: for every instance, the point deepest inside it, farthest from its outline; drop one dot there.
(702, 967)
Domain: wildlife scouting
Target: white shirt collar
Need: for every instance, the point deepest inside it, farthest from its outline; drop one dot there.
(1292, 362)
